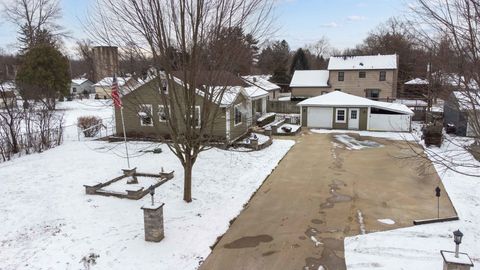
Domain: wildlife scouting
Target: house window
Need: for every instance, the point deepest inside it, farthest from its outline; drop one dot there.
(341, 76)
(340, 116)
(353, 114)
(162, 114)
(362, 74)
(74, 89)
(164, 86)
(145, 115)
(237, 115)
(373, 94)
(383, 75)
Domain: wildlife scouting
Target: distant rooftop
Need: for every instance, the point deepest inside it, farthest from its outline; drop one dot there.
(363, 62)
(310, 78)
(417, 81)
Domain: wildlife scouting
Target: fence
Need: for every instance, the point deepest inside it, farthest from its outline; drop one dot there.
(283, 106)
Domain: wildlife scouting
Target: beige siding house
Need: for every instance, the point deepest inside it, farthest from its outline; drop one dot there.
(145, 117)
(371, 76)
(103, 88)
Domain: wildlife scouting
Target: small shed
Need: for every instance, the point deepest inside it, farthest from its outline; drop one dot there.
(339, 110)
(462, 109)
(81, 86)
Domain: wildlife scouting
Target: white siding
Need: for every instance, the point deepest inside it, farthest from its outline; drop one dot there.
(389, 122)
(319, 117)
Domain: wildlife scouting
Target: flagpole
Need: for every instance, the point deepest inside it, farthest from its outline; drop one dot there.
(125, 136)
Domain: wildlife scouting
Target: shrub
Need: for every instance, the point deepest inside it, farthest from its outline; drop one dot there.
(90, 125)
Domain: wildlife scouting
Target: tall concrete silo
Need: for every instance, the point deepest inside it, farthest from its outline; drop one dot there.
(105, 61)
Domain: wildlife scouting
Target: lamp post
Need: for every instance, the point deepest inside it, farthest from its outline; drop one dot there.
(457, 238)
(152, 192)
(437, 193)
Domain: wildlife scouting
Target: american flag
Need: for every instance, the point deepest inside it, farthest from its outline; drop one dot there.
(115, 95)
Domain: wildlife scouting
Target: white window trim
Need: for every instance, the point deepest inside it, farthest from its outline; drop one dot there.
(234, 115)
(151, 115)
(344, 115)
(160, 119)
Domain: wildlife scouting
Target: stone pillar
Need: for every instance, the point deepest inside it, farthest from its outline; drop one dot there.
(450, 262)
(132, 174)
(153, 219)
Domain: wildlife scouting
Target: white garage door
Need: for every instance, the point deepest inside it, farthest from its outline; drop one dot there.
(320, 117)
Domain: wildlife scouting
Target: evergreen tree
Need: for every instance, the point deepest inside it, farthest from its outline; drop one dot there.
(274, 60)
(299, 62)
(43, 75)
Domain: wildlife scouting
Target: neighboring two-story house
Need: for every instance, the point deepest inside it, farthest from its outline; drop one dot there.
(371, 76)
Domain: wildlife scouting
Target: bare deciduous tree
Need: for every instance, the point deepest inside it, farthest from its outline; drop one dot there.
(36, 20)
(184, 39)
(457, 23)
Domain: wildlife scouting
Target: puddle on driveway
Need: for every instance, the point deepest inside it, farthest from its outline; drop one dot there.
(249, 241)
(336, 196)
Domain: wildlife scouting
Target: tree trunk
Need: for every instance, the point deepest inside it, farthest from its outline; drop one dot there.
(13, 134)
(187, 186)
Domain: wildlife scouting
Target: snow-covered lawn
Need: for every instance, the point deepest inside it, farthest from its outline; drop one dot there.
(418, 247)
(48, 222)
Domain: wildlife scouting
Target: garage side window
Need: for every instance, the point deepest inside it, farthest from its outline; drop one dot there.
(340, 116)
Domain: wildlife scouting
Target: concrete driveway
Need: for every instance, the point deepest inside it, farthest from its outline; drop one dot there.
(322, 192)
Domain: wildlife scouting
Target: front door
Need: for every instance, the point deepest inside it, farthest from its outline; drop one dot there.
(353, 118)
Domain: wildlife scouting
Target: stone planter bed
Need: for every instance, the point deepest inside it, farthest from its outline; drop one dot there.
(120, 188)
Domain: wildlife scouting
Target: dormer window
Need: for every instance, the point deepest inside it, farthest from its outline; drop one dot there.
(164, 86)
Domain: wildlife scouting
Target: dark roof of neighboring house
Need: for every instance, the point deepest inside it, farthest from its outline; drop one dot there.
(214, 78)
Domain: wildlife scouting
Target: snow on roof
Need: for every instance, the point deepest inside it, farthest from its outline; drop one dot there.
(310, 78)
(79, 81)
(417, 81)
(255, 92)
(411, 102)
(261, 81)
(338, 98)
(363, 62)
(467, 100)
(107, 81)
(230, 94)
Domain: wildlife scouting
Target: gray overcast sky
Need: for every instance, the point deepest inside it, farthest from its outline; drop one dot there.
(344, 22)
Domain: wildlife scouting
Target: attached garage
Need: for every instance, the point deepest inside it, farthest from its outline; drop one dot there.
(338, 110)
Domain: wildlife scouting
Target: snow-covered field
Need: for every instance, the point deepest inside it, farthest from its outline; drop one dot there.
(48, 222)
(418, 247)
